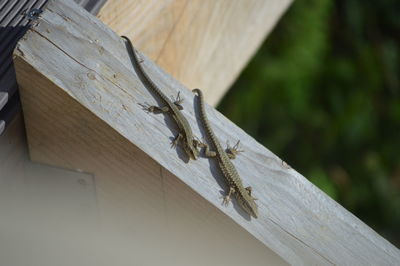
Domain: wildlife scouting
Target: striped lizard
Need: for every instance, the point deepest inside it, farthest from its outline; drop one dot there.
(185, 135)
(243, 195)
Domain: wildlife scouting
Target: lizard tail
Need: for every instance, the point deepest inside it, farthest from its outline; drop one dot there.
(202, 109)
(203, 116)
(201, 103)
(134, 57)
(198, 92)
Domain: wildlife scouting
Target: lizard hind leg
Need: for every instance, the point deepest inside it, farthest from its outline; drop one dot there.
(175, 141)
(249, 189)
(227, 198)
(197, 142)
(233, 151)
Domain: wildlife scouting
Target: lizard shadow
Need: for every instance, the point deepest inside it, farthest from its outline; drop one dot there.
(214, 165)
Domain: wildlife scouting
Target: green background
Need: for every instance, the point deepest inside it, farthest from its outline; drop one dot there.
(323, 94)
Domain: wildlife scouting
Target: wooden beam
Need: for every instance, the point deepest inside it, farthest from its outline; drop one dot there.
(203, 44)
(42, 204)
(143, 208)
(81, 99)
(58, 208)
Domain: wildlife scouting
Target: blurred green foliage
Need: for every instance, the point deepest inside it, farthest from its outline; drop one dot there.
(323, 93)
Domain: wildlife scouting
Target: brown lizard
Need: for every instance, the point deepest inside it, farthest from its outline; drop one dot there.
(185, 135)
(243, 195)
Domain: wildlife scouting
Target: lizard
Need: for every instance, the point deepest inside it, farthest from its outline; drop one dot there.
(185, 135)
(242, 194)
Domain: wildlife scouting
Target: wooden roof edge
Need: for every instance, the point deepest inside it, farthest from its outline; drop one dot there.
(89, 66)
(14, 21)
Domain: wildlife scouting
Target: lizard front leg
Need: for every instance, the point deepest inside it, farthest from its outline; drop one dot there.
(154, 109)
(178, 101)
(176, 140)
(157, 110)
(227, 198)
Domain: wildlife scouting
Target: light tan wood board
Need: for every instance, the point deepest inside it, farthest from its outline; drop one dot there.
(202, 43)
(44, 210)
(81, 103)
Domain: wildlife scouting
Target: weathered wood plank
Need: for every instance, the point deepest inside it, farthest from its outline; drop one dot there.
(215, 38)
(34, 197)
(145, 210)
(81, 102)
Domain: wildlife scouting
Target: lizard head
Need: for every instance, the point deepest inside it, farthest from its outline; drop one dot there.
(248, 203)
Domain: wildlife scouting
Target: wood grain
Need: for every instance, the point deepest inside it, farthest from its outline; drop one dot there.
(203, 43)
(144, 210)
(81, 104)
